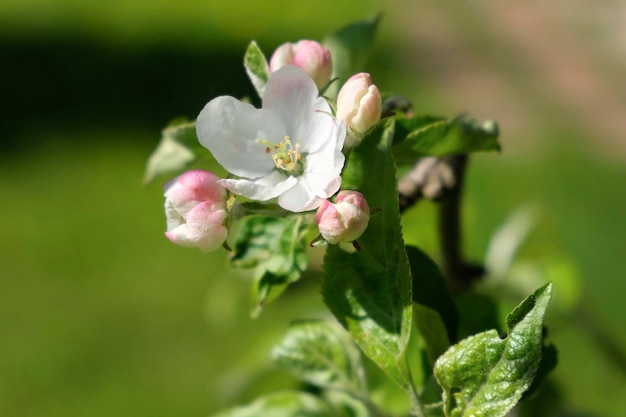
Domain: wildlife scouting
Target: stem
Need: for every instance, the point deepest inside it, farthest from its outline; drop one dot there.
(459, 274)
(450, 227)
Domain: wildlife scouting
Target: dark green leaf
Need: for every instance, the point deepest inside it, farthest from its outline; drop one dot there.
(486, 375)
(370, 291)
(321, 354)
(430, 290)
(178, 148)
(282, 404)
(256, 67)
(446, 137)
(549, 360)
(275, 247)
(349, 48)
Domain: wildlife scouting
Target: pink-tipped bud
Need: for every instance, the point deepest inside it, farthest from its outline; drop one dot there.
(195, 208)
(360, 105)
(345, 220)
(308, 55)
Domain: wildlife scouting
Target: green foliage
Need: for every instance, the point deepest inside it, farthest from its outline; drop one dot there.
(485, 375)
(349, 48)
(428, 136)
(176, 150)
(282, 404)
(256, 67)
(430, 290)
(370, 291)
(275, 247)
(321, 354)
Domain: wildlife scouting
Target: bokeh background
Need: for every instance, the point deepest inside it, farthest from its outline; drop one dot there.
(100, 315)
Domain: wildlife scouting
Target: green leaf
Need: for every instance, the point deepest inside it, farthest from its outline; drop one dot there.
(430, 290)
(349, 48)
(256, 67)
(369, 291)
(321, 354)
(486, 375)
(282, 404)
(460, 135)
(275, 247)
(178, 148)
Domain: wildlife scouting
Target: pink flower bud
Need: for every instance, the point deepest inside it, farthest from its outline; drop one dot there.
(195, 208)
(359, 104)
(308, 55)
(345, 220)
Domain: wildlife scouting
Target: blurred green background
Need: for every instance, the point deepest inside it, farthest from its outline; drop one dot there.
(100, 315)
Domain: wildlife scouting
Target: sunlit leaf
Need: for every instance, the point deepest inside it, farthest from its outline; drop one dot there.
(178, 148)
(321, 354)
(282, 404)
(256, 67)
(486, 375)
(370, 291)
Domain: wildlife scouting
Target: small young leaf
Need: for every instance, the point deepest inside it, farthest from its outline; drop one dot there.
(256, 67)
(349, 48)
(369, 291)
(282, 404)
(460, 135)
(275, 247)
(321, 354)
(485, 375)
(178, 148)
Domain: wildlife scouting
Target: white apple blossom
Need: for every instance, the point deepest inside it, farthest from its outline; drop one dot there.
(290, 148)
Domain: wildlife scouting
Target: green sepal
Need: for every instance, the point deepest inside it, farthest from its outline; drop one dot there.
(178, 148)
(369, 291)
(349, 48)
(322, 354)
(460, 135)
(274, 246)
(486, 375)
(256, 67)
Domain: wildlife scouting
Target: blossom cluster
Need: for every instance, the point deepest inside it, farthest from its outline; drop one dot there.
(291, 149)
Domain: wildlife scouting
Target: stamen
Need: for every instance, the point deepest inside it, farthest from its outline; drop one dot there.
(285, 155)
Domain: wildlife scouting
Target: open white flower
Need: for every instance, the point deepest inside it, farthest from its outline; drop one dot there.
(290, 148)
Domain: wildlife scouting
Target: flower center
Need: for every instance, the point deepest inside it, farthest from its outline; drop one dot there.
(285, 155)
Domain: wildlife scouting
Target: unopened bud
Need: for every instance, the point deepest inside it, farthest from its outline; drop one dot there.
(360, 105)
(345, 220)
(308, 55)
(195, 209)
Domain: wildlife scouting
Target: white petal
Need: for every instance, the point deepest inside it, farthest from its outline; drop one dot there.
(299, 198)
(292, 95)
(230, 129)
(262, 189)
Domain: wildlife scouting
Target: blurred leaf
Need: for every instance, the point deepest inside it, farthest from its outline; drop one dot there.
(485, 375)
(282, 404)
(349, 48)
(346, 405)
(479, 313)
(430, 290)
(445, 137)
(321, 354)
(274, 246)
(178, 148)
(256, 67)
(432, 332)
(370, 291)
(549, 360)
